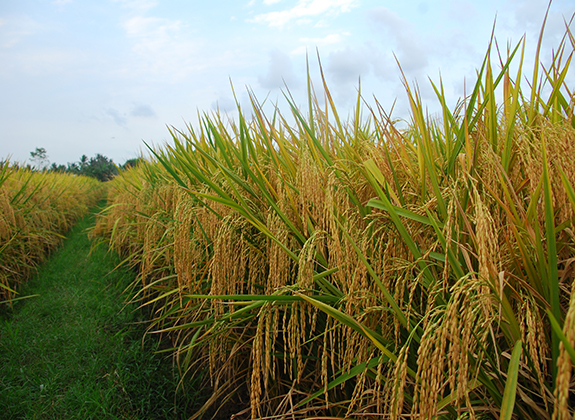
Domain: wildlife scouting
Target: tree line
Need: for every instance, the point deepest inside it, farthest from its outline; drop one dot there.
(100, 167)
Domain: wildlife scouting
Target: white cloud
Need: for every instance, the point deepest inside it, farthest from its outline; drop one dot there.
(382, 63)
(348, 65)
(412, 50)
(142, 110)
(461, 10)
(163, 46)
(268, 2)
(224, 103)
(51, 61)
(326, 40)
(14, 30)
(118, 118)
(305, 9)
(528, 17)
(280, 72)
(310, 44)
(138, 6)
(423, 8)
(304, 22)
(141, 26)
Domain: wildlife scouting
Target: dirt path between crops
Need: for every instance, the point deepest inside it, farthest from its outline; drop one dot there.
(75, 351)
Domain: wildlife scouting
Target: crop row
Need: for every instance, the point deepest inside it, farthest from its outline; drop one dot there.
(36, 209)
(355, 269)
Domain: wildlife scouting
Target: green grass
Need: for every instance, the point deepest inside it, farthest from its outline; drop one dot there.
(76, 351)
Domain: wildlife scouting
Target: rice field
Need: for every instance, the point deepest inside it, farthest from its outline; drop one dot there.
(36, 209)
(334, 268)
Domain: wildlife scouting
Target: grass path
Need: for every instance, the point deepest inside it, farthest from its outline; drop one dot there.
(74, 352)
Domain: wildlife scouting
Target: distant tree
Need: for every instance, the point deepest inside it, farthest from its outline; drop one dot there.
(83, 162)
(57, 168)
(99, 167)
(39, 158)
(73, 168)
(130, 163)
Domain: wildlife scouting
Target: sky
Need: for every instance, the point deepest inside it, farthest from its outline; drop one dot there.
(81, 77)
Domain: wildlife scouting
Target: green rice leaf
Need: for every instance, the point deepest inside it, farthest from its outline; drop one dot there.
(559, 331)
(511, 384)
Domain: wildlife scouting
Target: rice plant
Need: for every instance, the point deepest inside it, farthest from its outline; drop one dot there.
(355, 269)
(36, 209)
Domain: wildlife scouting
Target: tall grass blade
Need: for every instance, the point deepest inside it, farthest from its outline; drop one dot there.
(511, 384)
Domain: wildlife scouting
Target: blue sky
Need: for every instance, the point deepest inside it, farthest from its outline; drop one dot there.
(99, 76)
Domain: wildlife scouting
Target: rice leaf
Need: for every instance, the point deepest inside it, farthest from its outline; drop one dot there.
(511, 384)
(559, 331)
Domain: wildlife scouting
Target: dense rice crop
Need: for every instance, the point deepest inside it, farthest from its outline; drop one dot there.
(36, 209)
(356, 269)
